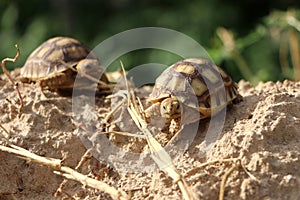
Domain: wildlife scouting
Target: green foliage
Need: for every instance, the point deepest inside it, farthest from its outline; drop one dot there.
(268, 52)
(260, 45)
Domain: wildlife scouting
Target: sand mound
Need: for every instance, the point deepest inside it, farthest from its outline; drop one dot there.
(263, 130)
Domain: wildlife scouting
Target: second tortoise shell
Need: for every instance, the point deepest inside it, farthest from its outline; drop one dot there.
(55, 57)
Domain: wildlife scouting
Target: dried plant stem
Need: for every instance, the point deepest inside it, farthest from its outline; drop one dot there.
(125, 134)
(15, 85)
(158, 153)
(65, 171)
(237, 163)
(223, 183)
(228, 40)
(87, 155)
(114, 110)
(6, 131)
(195, 170)
(10, 60)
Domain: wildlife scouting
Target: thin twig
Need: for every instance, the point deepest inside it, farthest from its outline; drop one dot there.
(249, 174)
(10, 60)
(15, 85)
(158, 153)
(87, 155)
(160, 156)
(224, 179)
(126, 82)
(125, 134)
(236, 164)
(5, 130)
(65, 171)
(114, 110)
(195, 170)
(7, 134)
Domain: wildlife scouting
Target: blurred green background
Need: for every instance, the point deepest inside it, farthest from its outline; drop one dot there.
(252, 39)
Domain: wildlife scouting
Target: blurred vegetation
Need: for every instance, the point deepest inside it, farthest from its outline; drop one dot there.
(252, 39)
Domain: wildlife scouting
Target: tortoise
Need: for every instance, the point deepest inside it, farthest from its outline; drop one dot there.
(55, 63)
(190, 90)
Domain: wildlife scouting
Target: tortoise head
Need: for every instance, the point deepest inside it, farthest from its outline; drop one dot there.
(170, 108)
(88, 66)
(91, 69)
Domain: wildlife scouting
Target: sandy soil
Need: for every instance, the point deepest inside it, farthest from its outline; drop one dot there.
(263, 131)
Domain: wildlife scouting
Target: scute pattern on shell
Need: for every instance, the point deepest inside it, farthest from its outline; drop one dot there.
(53, 56)
(196, 83)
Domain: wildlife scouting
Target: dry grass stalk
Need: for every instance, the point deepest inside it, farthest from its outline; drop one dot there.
(195, 170)
(236, 164)
(110, 114)
(65, 171)
(158, 153)
(87, 155)
(126, 134)
(6, 131)
(223, 183)
(229, 43)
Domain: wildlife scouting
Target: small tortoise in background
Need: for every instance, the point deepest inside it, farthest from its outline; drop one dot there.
(191, 90)
(55, 63)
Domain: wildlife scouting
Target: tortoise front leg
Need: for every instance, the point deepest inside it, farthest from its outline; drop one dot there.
(171, 126)
(175, 126)
(210, 112)
(204, 112)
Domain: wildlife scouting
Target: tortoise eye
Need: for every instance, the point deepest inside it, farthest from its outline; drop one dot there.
(178, 106)
(88, 67)
(164, 107)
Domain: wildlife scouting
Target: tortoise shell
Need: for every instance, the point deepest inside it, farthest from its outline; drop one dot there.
(197, 84)
(55, 57)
